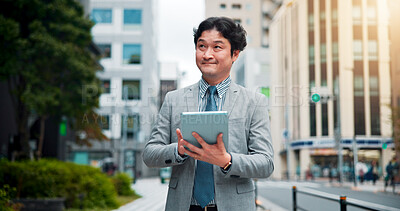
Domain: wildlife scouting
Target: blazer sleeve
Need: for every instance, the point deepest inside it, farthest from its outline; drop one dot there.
(258, 162)
(160, 149)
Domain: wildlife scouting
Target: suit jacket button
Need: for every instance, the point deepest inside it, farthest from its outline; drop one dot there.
(168, 161)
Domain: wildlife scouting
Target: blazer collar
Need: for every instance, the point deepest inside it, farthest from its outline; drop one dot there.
(231, 97)
(191, 96)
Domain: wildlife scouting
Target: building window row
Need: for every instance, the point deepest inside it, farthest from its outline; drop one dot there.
(234, 6)
(132, 122)
(131, 53)
(132, 18)
(132, 88)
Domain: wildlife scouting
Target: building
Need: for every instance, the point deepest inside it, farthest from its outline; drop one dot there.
(169, 78)
(254, 15)
(252, 69)
(345, 59)
(394, 31)
(125, 32)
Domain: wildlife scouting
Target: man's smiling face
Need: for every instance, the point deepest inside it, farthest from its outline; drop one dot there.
(213, 56)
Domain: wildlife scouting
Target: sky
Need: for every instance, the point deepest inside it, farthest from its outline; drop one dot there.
(176, 20)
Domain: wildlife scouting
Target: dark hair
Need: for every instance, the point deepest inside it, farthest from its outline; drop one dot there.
(233, 32)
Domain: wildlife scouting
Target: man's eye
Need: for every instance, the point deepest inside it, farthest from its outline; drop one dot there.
(201, 46)
(218, 47)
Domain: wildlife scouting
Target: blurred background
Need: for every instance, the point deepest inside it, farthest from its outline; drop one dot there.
(82, 81)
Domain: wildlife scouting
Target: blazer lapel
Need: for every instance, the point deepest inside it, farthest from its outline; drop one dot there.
(192, 98)
(230, 99)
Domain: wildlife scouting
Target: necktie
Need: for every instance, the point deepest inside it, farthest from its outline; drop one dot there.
(204, 178)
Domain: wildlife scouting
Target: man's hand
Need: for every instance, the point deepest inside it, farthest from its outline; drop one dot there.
(215, 154)
(181, 148)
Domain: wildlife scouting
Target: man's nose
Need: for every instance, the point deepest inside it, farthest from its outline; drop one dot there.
(208, 54)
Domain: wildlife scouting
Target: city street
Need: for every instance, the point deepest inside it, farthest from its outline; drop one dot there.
(274, 195)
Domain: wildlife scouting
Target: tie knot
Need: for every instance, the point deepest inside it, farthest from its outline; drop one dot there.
(213, 90)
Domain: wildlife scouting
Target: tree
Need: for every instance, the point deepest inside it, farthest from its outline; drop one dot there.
(47, 63)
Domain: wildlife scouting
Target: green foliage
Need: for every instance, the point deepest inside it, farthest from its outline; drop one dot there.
(122, 183)
(6, 194)
(46, 60)
(52, 179)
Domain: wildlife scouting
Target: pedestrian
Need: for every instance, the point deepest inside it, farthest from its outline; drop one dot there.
(212, 178)
(392, 169)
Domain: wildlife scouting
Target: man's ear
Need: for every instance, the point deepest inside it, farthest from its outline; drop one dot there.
(235, 55)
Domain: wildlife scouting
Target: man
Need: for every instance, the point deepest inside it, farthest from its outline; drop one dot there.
(214, 177)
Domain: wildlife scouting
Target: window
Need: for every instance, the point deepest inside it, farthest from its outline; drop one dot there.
(249, 6)
(372, 50)
(248, 21)
(374, 86)
(133, 89)
(132, 126)
(334, 18)
(323, 52)
(132, 54)
(335, 51)
(311, 22)
(105, 87)
(356, 15)
(105, 50)
(311, 54)
(132, 19)
(101, 15)
(357, 50)
(358, 86)
(104, 122)
(371, 15)
(236, 6)
(237, 21)
(313, 120)
(222, 6)
(324, 110)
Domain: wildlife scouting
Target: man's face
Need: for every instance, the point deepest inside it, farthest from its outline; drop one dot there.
(213, 56)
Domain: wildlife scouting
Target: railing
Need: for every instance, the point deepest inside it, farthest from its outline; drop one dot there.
(342, 200)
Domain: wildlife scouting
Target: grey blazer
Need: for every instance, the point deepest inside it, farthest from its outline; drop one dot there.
(249, 144)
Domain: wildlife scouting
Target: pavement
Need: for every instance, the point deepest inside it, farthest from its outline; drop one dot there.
(154, 193)
(365, 186)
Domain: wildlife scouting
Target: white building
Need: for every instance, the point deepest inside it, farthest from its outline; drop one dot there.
(125, 32)
(314, 49)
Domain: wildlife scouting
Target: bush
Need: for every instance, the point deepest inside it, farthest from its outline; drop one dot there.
(122, 183)
(5, 196)
(54, 179)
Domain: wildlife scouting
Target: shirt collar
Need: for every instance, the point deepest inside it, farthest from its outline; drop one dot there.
(221, 87)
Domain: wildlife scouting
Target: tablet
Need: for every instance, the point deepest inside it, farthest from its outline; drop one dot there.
(207, 124)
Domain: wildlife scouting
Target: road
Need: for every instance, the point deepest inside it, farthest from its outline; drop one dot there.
(274, 195)
(280, 192)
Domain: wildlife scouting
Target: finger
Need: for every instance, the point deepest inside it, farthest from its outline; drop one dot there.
(220, 141)
(179, 134)
(199, 139)
(192, 147)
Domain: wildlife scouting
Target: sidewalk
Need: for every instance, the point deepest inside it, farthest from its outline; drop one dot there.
(366, 186)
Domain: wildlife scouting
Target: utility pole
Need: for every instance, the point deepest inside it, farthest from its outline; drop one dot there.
(124, 130)
(286, 136)
(355, 160)
(338, 133)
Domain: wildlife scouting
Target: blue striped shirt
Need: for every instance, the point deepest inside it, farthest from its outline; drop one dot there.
(222, 88)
